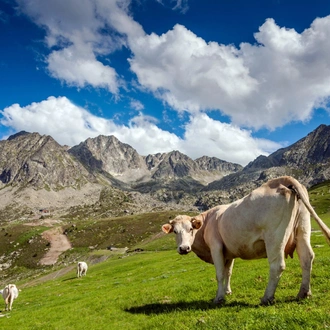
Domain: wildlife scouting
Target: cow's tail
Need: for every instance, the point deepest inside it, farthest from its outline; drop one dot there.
(10, 295)
(303, 195)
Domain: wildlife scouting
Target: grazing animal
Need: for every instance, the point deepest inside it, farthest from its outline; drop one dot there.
(9, 293)
(271, 222)
(81, 269)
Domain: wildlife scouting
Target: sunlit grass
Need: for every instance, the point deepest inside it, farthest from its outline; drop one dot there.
(159, 289)
(152, 290)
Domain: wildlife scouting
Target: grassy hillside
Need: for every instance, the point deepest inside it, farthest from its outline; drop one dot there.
(157, 288)
(162, 290)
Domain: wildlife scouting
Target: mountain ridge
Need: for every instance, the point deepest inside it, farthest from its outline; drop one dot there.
(39, 166)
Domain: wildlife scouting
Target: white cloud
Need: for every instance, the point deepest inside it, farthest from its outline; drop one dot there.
(223, 141)
(65, 122)
(79, 33)
(179, 5)
(188, 73)
(69, 125)
(281, 79)
(136, 105)
(81, 69)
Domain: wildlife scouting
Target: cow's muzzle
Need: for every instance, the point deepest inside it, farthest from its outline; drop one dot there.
(184, 249)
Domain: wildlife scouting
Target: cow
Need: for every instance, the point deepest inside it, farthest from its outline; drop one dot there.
(271, 222)
(9, 293)
(81, 269)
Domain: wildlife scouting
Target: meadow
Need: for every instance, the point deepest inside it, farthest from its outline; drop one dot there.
(159, 289)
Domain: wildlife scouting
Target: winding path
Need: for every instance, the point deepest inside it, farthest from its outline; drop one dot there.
(58, 244)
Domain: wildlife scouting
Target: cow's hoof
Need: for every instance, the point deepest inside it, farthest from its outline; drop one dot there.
(267, 302)
(219, 301)
(228, 292)
(304, 295)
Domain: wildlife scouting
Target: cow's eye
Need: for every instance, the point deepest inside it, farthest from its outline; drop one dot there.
(175, 231)
(191, 230)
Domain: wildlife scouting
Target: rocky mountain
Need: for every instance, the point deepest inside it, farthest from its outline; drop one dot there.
(32, 160)
(313, 151)
(308, 160)
(108, 155)
(37, 172)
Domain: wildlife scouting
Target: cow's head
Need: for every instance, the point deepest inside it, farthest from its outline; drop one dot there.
(185, 229)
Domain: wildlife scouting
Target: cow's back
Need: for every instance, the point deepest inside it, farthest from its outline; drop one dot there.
(245, 223)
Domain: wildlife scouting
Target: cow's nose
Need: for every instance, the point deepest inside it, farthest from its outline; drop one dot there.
(184, 249)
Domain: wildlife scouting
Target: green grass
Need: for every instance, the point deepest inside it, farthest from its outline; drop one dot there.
(159, 289)
(163, 290)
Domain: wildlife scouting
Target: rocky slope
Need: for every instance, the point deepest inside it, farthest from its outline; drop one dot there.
(36, 173)
(32, 160)
(308, 160)
(108, 155)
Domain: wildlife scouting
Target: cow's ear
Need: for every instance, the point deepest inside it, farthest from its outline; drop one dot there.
(197, 222)
(167, 228)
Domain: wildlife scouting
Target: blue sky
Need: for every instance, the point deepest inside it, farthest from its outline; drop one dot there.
(232, 79)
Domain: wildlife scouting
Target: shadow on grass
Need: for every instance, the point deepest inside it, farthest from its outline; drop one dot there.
(70, 279)
(159, 308)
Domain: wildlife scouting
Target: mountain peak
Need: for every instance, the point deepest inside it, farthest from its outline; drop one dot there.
(14, 136)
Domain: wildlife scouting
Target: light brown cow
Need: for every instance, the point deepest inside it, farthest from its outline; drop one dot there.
(271, 222)
(9, 293)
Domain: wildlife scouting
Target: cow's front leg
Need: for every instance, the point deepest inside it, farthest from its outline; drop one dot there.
(219, 264)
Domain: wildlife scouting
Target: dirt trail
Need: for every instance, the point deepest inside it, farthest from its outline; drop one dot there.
(58, 244)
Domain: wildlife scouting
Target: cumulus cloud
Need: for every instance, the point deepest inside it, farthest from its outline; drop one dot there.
(70, 124)
(280, 79)
(222, 140)
(80, 68)
(188, 73)
(79, 35)
(67, 123)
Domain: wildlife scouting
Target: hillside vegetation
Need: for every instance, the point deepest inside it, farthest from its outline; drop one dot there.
(151, 286)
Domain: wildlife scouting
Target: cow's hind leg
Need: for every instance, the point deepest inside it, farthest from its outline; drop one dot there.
(306, 257)
(276, 269)
(275, 255)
